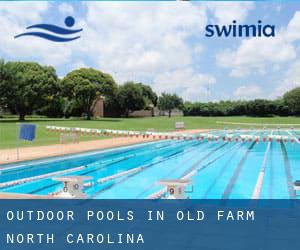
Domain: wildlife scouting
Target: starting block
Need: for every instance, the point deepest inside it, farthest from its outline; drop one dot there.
(73, 186)
(296, 186)
(176, 188)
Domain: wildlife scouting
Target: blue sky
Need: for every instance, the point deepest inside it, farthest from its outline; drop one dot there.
(163, 44)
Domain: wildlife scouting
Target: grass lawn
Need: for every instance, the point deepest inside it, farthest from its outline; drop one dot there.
(9, 127)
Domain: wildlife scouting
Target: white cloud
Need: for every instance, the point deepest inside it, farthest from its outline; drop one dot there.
(255, 54)
(247, 92)
(292, 76)
(188, 84)
(291, 80)
(23, 11)
(141, 38)
(226, 12)
(293, 28)
(198, 49)
(65, 8)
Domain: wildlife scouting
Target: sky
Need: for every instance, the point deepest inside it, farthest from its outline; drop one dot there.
(163, 44)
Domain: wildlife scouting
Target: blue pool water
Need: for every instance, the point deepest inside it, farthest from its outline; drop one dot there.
(222, 169)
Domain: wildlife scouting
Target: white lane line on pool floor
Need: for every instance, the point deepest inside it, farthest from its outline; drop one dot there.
(197, 169)
(194, 170)
(261, 175)
(238, 152)
(108, 163)
(148, 165)
(158, 194)
(232, 182)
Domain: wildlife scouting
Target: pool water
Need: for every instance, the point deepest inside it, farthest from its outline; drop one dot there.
(221, 169)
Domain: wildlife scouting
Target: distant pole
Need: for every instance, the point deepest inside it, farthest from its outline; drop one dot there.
(207, 91)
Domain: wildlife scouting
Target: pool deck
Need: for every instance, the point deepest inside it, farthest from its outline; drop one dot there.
(31, 153)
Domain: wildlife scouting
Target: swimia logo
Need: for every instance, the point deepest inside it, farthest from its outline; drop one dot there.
(52, 32)
(240, 30)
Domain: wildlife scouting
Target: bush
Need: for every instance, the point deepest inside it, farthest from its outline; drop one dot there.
(258, 107)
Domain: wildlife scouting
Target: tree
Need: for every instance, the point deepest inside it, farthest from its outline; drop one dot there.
(281, 107)
(84, 85)
(3, 83)
(149, 95)
(26, 86)
(167, 102)
(292, 100)
(260, 107)
(131, 98)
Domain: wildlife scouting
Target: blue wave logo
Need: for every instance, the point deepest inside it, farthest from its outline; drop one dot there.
(60, 34)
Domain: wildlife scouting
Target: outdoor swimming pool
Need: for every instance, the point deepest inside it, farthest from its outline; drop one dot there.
(218, 169)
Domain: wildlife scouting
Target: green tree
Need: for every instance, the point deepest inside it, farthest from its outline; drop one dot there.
(131, 98)
(167, 102)
(3, 83)
(149, 95)
(84, 85)
(281, 107)
(292, 100)
(26, 86)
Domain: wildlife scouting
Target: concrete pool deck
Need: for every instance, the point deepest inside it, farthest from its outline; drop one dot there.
(31, 153)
